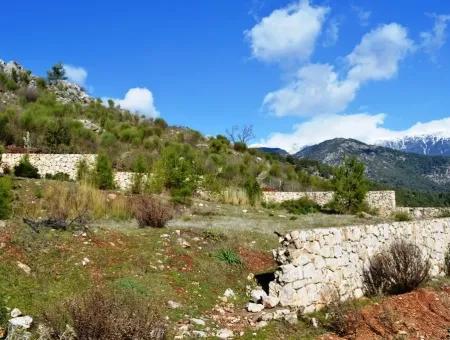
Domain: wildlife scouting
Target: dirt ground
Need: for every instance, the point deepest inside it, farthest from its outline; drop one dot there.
(421, 314)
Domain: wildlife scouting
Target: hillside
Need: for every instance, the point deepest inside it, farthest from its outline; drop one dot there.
(52, 115)
(386, 166)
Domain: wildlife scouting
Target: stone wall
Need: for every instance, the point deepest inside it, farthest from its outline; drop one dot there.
(317, 263)
(49, 163)
(425, 212)
(384, 201)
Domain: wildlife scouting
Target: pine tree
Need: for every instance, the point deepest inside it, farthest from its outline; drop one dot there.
(56, 73)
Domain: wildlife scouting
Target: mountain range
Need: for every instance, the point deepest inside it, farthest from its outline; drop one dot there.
(386, 166)
(432, 145)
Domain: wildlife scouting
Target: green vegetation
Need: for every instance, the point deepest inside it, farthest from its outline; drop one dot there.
(56, 73)
(401, 216)
(350, 187)
(103, 173)
(229, 257)
(26, 169)
(5, 198)
(301, 206)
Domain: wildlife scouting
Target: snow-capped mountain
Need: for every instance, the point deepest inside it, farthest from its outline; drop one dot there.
(433, 145)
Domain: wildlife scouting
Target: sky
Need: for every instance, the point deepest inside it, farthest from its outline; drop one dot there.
(299, 72)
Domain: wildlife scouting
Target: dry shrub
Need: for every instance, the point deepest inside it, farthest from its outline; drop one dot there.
(235, 196)
(343, 317)
(398, 269)
(151, 212)
(100, 315)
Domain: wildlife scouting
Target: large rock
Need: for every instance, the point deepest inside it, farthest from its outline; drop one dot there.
(17, 328)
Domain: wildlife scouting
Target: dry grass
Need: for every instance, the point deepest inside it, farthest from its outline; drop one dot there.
(70, 200)
(235, 196)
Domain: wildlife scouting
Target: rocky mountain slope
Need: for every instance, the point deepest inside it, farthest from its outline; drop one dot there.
(386, 166)
(432, 145)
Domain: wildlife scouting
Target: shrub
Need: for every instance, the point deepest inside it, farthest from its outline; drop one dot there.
(151, 212)
(447, 261)
(252, 189)
(161, 123)
(103, 173)
(26, 169)
(350, 187)
(401, 216)
(229, 257)
(5, 197)
(343, 317)
(59, 176)
(398, 269)
(301, 206)
(100, 315)
(240, 147)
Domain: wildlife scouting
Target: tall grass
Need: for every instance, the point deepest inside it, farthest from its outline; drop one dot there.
(235, 196)
(70, 200)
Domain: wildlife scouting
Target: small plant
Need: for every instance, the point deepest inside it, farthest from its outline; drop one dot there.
(214, 236)
(229, 257)
(401, 216)
(151, 212)
(301, 206)
(343, 316)
(26, 169)
(5, 197)
(4, 315)
(59, 176)
(447, 261)
(83, 171)
(100, 315)
(398, 269)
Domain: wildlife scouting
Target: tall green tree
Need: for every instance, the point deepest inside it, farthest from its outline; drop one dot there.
(350, 186)
(56, 73)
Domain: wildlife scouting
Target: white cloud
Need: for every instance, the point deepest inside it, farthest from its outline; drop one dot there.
(287, 33)
(363, 15)
(379, 53)
(318, 89)
(363, 126)
(76, 74)
(432, 41)
(331, 33)
(139, 100)
(315, 90)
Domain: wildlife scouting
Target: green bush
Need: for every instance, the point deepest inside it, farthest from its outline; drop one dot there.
(26, 169)
(103, 173)
(178, 172)
(301, 206)
(253, 190)
(59, 176)
(240, 147)
(5, 198)
(350, 187)
(4, 314)
(229, 257)
(401, 216)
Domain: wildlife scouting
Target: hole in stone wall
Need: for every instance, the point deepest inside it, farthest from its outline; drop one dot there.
(263, 279)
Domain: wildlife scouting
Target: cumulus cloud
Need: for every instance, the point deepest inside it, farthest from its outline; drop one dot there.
(318, 88)
(315, 90)
(362, 126)
(287, 33)
(139, 100)
(76, 74)
(378, 54)
(432, 41)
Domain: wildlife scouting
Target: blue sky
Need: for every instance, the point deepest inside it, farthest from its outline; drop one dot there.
(298, 71)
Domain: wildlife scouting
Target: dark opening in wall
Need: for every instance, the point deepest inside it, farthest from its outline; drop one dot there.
(263, 279)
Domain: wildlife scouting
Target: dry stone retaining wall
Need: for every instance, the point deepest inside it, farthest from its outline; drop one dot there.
(49, 163)
(384, 201)
(317, 263)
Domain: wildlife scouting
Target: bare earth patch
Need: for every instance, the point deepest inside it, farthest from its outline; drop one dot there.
(421, 314)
